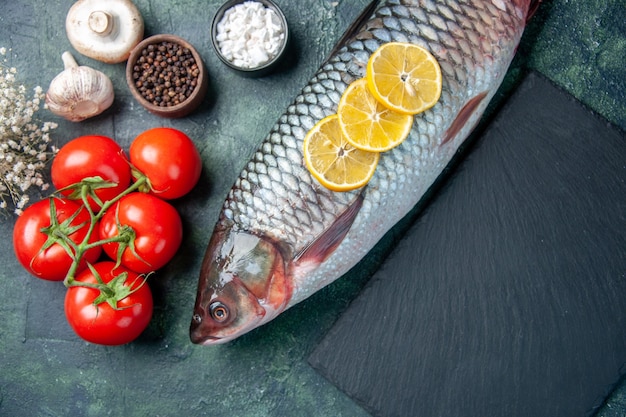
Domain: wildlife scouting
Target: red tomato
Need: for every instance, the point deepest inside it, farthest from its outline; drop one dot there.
(52, 263)
(90, 156)
(101, 323)
(169, 159)
(157, 226)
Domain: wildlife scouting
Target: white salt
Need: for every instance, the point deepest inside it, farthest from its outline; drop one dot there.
(250, 34)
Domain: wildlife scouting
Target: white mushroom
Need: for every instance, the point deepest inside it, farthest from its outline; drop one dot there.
(106, 30)
(79, 92)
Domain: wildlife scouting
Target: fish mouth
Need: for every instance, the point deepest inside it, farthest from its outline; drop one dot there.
(208, 340)
(202, 332)
(205, 332)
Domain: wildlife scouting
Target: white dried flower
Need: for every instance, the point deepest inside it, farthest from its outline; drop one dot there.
(24, 141)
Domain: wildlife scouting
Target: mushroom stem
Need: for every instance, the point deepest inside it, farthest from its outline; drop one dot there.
(100, 22)
(68, 60)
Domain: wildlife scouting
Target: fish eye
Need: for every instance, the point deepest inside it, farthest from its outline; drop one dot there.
(219, 312)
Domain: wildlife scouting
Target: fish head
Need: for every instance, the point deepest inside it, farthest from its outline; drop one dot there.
(242, 285)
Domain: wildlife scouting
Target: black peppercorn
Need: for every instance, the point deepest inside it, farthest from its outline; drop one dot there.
(160, 72)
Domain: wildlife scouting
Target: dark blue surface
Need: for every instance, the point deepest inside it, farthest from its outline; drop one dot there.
(46, 371)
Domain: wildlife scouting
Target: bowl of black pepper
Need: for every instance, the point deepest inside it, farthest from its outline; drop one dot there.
(166, 75)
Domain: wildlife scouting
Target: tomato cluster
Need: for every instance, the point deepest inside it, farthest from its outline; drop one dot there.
(109, 226)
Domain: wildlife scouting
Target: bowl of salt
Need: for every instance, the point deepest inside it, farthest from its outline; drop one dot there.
(250, 36)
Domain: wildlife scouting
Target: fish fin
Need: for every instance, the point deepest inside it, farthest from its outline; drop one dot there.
(355, 26)
(462, 117)
(325, 244)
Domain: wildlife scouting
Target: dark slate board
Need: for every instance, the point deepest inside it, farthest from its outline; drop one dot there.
(507, 296)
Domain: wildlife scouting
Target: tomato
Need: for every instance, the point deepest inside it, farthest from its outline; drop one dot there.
(90, 156)
(53, 262)
(169, 159)
(100, 322)
(157, 227)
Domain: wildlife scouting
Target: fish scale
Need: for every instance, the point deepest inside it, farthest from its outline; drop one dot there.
(276, 198)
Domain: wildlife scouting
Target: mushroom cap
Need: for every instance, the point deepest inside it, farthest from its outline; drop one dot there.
(104, 30)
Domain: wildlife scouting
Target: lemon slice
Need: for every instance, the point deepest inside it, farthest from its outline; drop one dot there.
(368, 124)
(404, 77)
(331, 159)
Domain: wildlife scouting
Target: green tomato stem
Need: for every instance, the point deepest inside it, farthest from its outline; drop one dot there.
(77, 251)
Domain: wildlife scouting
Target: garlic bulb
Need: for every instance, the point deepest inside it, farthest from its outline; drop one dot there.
(79, 92)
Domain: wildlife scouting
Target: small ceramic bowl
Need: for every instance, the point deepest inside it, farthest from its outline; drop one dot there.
(180, 102)
(264, 68)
